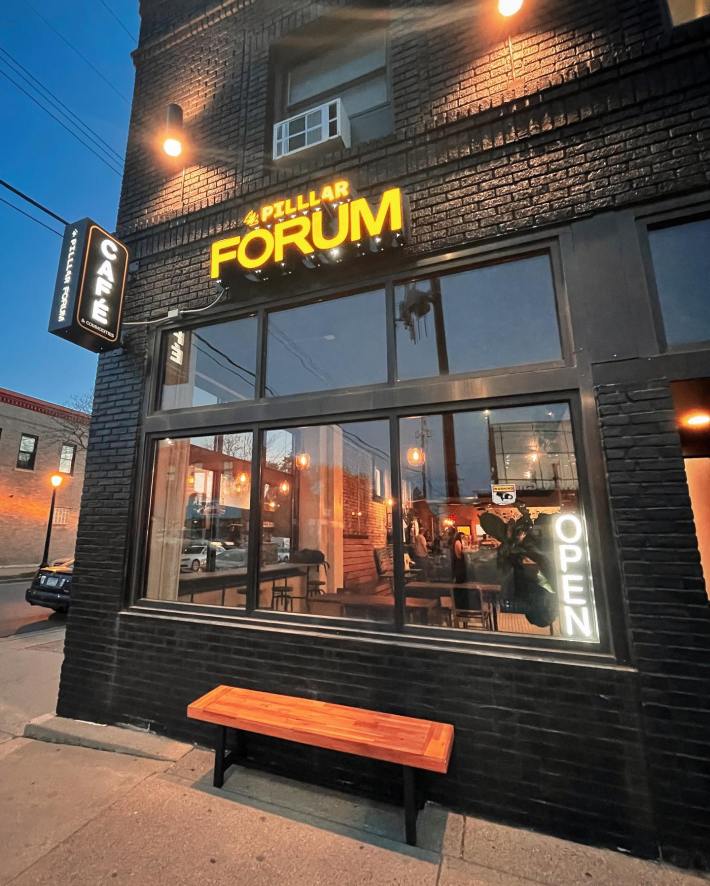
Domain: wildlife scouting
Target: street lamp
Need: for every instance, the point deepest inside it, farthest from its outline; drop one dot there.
(56, 481)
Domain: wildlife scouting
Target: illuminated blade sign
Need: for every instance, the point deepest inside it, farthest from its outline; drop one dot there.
(316, 227)
(88, 296)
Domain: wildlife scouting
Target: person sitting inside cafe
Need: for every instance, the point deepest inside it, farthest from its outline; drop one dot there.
(421, 552)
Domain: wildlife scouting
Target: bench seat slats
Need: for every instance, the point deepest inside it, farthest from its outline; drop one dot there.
(422, 744)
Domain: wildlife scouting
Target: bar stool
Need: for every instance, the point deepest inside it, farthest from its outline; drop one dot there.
(281, 598)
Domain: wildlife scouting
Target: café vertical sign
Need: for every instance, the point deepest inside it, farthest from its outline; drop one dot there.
(88, 295)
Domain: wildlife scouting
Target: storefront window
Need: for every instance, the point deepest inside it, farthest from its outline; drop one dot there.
(481, 319)
(326, 523)
(199, 520)
(493, 528)
(340, 343)
(210, 365)
(681, 262)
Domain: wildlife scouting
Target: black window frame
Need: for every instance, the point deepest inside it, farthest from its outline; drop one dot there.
(31, 466)
(645, 224)
(565, 381)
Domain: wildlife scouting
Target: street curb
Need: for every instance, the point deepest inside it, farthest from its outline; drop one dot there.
(100, 737)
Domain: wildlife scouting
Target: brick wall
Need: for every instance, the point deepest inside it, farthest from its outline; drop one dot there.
(25, 495)
(606, 109)
(667, 604)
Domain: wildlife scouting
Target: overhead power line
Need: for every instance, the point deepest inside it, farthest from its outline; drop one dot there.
(113, 14)
(27, 215)
(61, 123)
(20, 70)
(78, 52)
(32, 201)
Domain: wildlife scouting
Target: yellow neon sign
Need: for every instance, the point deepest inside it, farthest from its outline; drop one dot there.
(300, 226)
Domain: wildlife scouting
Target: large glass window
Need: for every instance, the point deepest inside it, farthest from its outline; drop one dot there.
(210, 365)
(493, 526)
(332, 344)
(681, 262)
(484, 318)
(199, 520)
(326, 526)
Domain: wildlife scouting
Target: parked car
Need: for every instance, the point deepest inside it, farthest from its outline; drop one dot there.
(51, 586)
(194, 557)
(234, 558)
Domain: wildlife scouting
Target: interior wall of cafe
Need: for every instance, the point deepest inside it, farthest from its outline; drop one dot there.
(697, 470)
(605, 749)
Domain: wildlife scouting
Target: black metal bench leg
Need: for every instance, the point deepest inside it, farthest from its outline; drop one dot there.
(410, 805)
(219, 755)
(223, 759)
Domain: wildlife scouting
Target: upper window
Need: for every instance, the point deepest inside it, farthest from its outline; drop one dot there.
(326, 345)
(683, 11)
(66, 459)
(484, 318)
(210, 365)
(352, 69)
(27, 452)
(681, 262)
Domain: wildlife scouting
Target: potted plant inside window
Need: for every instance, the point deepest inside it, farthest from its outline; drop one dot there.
(525, 561)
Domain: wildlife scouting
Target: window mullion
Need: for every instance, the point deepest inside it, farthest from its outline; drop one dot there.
(253, 545)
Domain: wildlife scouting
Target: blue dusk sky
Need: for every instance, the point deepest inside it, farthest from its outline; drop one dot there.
(42, 159)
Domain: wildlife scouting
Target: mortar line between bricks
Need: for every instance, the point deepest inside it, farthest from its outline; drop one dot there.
(85, 824)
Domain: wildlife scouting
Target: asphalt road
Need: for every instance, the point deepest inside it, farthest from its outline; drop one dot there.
(16, 614)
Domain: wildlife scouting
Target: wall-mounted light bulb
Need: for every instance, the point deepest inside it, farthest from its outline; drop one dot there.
(509, 7)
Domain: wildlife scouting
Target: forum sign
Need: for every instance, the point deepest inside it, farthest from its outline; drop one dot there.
(88, 296)
(319, 227)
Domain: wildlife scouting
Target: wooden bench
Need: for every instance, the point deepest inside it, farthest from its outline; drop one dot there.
(413, 744)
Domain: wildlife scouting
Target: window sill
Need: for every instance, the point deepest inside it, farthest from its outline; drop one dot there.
(508, 646)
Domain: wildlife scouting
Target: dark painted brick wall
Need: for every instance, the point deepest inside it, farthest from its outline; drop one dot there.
(607, 109)
(667, 605)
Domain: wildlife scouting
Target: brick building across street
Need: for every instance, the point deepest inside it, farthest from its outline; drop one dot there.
(454, 469)
(38, 439)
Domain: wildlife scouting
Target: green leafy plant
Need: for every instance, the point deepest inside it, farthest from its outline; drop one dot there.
(525, 539)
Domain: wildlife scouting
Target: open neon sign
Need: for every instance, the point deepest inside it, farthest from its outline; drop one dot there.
(314, 228)
(577, 617)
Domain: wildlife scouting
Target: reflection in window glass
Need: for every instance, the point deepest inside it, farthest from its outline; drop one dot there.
(66, 459)
(681, 262)
(493, 526)
(27, 452)
(326, 530)
(210, 365)
(327, 345)
(199, 520)
(484, 318)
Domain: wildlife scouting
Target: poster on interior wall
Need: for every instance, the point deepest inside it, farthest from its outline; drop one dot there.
(503, 493)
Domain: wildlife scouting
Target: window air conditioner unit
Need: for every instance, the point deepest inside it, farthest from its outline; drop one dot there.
(327, 122)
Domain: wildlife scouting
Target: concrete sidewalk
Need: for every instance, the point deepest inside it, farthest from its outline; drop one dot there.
(75, 814)
(83, 816)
